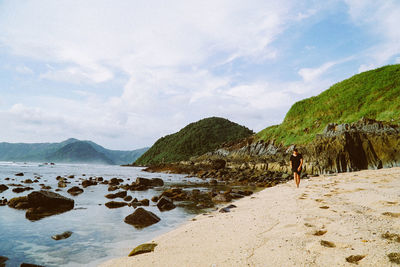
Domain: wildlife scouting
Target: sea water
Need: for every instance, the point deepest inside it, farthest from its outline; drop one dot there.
(99, 233)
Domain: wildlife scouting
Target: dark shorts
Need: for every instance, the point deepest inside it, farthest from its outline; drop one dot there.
(296, 171)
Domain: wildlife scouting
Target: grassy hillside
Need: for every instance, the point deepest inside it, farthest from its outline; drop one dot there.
(373, 94)
(195, 139)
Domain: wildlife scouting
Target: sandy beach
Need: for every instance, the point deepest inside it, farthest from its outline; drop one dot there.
(326, 220)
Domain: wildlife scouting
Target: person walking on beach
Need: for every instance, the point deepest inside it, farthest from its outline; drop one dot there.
(296, 163)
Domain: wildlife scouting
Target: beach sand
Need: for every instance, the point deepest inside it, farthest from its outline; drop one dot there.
(277, 226)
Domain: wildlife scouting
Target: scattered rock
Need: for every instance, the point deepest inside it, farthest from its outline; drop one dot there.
(3, 201)
(327, 244)
(145, 202)
(75, 190)
(355, 258)
(21, 189)
(141, 218)
(154, 198)
(143, 248)
(222, 198)
(87, 183)
(112, 188)
(28, 181)
(115, 204)
(19, 174)
(62, 184)
(165, 203)
(128, 198)
(120, 194)
(227, 208)
(394, 257)
(64, 235)
(3, 188)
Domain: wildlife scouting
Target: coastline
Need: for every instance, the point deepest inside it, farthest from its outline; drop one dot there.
(277, 226)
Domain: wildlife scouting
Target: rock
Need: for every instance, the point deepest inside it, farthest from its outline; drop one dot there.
(46, 187)
(30, 265)
(286, 176)
(115, 204)
(120, 194)
(320, 232)
(143, 181)
(218, 164)
(19, 203)
(355, 258)
(21, 189)
(154, 198)
(143, 248)
(114, 181)
(157, 182)
(145, 202)
(327, 244)
(165, 203)
(75, 190)
(3, 188)
(128, 198)
(3, 201)
(112, 188)
(71, 176)
(19, 174)
(28, 181)
(62, 184)
(227, 208)
(394, 257)
(46, 203)
(141, 218)
(2, 261)
(64, 235)
(213, 182)
(87, 183)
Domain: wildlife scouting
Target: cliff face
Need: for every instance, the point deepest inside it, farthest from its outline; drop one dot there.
(366, 144)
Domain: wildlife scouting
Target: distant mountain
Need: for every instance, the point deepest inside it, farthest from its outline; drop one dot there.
(195, 139)
(68, 151)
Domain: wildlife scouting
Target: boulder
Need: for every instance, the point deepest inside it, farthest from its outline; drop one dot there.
(115, 204)
(64, 235)
(76, 190)
(143, 248)
(3, 188)
(46, 203)
(165, 203)
(3, 260)
(145, 202)
(3, 201)
(120, 194)
(19, 203)
(154, 198)
(128, 198)
(222, 198)
(29, 265)
(19, 174)
(141, 218)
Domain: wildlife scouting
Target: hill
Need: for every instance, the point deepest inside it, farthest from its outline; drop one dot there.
(71, 151)
(193, 140)
(374, 94)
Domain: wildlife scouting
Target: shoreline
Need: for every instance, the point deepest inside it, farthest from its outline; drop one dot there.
(285, 226)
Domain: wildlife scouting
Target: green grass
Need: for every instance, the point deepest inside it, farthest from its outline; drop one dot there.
(373, 94)
(194, 140)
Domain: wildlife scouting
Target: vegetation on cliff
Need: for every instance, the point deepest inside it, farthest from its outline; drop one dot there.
(195, 139)
(373, 94)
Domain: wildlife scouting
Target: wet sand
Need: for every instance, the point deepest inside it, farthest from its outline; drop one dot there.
(328, 219)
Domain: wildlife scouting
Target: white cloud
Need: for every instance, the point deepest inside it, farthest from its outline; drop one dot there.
(310, 74)
(381, 19)
(23, 69)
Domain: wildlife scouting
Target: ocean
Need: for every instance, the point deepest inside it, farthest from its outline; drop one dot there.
(99, 233)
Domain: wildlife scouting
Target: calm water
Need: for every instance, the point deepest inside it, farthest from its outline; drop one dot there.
(99, 233)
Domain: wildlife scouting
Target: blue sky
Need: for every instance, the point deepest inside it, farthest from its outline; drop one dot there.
(124, 73)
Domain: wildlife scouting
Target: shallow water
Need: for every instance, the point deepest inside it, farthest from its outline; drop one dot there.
(99, 233)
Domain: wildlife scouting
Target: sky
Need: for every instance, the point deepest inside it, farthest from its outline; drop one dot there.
(125, 73)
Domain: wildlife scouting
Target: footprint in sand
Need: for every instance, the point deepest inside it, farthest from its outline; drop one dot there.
(320, 232)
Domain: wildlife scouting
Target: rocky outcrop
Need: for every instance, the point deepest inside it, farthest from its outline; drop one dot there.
(365, 144)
